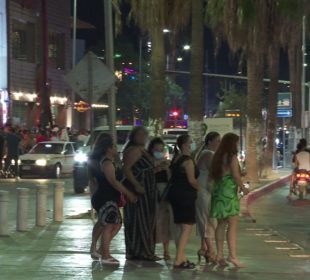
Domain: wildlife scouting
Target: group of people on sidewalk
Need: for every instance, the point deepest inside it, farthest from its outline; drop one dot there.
(164, 200)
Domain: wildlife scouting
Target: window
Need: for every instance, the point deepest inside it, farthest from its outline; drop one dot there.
(56, 50)
(23, 37)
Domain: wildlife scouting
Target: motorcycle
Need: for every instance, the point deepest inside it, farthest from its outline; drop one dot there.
(302, 183)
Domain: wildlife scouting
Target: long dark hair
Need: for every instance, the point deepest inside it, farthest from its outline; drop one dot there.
(227, 148)
(102, 143)
(178, 146)
(132, 136)
(209, 138)
(154, 141)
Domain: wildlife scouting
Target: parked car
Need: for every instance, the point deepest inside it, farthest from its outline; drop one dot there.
(48, 159)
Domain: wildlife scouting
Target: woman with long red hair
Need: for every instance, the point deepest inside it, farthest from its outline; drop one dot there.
(225, 206)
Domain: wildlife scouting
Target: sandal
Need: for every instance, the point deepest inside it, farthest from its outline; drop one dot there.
(184, 265)
(236, 263)
(110, 261)
(167, 257)
(222, 262)
(95, 255)
(152, 258)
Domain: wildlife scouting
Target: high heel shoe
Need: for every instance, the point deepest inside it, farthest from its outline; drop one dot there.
(222, 262)
(236, 262)
(204, 254)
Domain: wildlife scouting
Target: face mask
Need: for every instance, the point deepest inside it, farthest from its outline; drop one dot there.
(158, 155)
(193, 147)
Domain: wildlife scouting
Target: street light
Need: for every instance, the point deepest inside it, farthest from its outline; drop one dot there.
(165, 30)
(186, 47)
(179, 59)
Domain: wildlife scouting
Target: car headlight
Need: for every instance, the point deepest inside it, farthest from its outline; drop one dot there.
(80, 157)
(41, 162)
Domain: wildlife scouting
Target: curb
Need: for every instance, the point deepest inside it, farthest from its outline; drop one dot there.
(253, 196)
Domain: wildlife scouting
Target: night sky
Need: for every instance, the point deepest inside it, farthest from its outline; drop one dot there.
(222, 63)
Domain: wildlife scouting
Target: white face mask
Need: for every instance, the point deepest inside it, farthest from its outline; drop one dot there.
(193, 147)
(158, 155)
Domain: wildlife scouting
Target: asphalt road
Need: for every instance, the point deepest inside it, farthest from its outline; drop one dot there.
(289, 218)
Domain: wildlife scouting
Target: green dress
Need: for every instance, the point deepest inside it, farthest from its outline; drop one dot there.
(225, 202)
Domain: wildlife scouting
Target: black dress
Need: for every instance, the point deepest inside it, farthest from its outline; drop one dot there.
(105, 198)
(182, 195)
(140, 217)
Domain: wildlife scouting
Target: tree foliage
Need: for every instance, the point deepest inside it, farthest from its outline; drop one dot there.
(232, 99)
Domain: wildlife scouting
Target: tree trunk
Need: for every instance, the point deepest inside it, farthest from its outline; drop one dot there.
(196, 104)
(273, 64)
(157, 106)
(295, 68)
(254, 116)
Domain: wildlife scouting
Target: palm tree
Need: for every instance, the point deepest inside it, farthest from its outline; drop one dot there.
(196, 100)
(243, 25)
(149, 15)
(152, 16)
(282, 21)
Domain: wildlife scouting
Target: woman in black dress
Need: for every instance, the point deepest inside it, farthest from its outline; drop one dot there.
(105, 198)
(140, 218)
(182, 196)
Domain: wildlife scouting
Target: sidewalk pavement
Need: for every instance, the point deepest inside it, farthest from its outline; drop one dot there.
(61, 251)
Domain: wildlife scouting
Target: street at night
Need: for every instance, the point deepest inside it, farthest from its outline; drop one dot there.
(154, 139)
(275, 247)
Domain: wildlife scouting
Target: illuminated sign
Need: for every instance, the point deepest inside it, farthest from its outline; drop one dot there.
(82, 106)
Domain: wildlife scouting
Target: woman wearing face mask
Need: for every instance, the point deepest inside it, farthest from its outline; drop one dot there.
(140, 218)
(205, 224)
(164, 232)
(182, 196)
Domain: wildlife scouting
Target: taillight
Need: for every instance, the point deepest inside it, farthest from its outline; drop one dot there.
(302, 176)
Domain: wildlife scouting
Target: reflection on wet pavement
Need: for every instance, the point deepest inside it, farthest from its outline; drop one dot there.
(61, 251)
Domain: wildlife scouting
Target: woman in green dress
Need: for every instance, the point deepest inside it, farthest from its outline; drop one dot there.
(225, 206)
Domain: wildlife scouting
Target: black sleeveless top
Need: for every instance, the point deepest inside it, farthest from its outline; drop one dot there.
(105, 191)
(180, 186)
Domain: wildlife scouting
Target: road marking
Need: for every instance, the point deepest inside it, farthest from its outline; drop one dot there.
(287, 248)
(265, 234)
(300, 256)
(256, 229)
(276, 241)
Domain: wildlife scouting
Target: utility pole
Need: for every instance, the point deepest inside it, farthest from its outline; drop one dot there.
(303, 78)
(109, 55)
(73, 58)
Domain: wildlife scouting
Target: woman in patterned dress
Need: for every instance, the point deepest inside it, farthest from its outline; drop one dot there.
(140, 218)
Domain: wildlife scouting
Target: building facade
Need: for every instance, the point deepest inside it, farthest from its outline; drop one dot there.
(3, 64)
(39, 43)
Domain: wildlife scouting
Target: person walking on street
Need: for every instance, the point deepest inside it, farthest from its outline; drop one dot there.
(182, 196)
(140, 218)
(106, 197)
(12, 148)
(225, 205)
(205, 224)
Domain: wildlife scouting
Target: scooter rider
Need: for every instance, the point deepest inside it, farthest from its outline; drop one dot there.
(301, 161)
